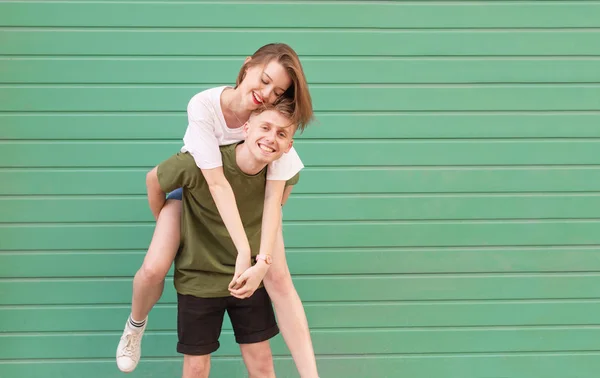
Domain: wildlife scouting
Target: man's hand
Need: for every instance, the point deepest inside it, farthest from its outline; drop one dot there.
(245, 285)
(242, 264)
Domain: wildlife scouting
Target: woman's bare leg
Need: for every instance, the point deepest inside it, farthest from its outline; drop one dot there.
(149, 282)
(291, 317)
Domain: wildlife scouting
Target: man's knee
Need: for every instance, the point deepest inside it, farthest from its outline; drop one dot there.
(196, 366)
(262, 369)
(259, 360)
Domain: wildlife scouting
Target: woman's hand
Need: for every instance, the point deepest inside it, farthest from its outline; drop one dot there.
(247, 283)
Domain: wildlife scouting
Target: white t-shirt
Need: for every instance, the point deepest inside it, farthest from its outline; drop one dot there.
(207, 131)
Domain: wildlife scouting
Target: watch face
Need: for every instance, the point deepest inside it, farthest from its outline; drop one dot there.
(266, 258)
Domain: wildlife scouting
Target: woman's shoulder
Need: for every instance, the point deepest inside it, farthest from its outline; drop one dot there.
(208, 96)
(207, 100)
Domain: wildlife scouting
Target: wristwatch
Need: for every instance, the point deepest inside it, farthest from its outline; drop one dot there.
(266, 258)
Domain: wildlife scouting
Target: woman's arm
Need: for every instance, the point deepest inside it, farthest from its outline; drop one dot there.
(200, 141)
(222, 194)
(246, 284)
(274, 191)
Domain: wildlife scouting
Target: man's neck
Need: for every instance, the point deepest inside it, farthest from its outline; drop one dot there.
(246, 161)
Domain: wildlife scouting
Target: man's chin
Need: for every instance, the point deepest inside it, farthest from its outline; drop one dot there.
(269, 159)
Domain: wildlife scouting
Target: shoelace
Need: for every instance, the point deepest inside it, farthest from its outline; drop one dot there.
(131, 346)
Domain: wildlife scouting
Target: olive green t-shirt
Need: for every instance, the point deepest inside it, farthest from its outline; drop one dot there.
(205, 263)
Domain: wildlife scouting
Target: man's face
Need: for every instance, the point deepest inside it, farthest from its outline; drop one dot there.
(269, 135)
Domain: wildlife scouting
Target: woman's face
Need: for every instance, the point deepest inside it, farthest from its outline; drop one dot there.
(264, 84)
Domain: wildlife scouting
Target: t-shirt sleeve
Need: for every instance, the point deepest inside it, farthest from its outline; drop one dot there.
(293, 181)
(200, 139)
(285, 167)
(178, 171)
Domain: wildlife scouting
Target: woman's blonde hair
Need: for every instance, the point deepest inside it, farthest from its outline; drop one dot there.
(298, 91)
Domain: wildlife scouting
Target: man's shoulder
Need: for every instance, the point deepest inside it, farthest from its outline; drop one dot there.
(229, 148)
(181, 161)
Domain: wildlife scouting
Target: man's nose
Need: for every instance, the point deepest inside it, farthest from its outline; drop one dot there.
(271, 135)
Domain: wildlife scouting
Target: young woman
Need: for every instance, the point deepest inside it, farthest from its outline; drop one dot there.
(216, 117)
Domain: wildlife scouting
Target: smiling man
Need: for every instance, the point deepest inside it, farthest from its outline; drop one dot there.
(206, 260)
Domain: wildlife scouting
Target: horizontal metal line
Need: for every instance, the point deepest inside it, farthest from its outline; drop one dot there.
(310, 141)
(233, 56)
(423, 113)
(409, 2)
(362, 275)
(316, 302)
(314, 84)
(341, 356)
(442, 195)
(324, 221)
(75, 196)
(330, 168)
(324, 167)
(330, 249)
(372, 221)
(591, 193)
(358, 86)
(335, 196)
(375, 329)
(309, 304)
(455, 167)
(378, 276)
(336, 222)
(305, 58)
(358, 55)
(306, 29)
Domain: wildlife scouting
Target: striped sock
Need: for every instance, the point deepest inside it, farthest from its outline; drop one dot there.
(136, 325)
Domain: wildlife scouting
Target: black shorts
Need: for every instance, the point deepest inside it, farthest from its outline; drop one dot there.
(199, 321)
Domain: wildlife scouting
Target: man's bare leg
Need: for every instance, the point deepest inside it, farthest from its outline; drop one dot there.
(258, 359)
(196, 366)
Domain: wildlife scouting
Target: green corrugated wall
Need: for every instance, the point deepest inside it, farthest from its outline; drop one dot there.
(447, 224)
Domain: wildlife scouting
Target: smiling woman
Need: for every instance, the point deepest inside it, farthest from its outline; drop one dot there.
(217, 116)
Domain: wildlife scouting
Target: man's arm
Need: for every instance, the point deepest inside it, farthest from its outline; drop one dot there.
(156, 197)
(286, 194)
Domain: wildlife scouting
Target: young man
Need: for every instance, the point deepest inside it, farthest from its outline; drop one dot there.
(205, 263)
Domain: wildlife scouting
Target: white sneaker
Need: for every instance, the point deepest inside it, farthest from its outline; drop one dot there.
(130, 348)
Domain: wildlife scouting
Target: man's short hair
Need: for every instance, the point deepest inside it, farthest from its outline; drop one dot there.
(284, 106)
